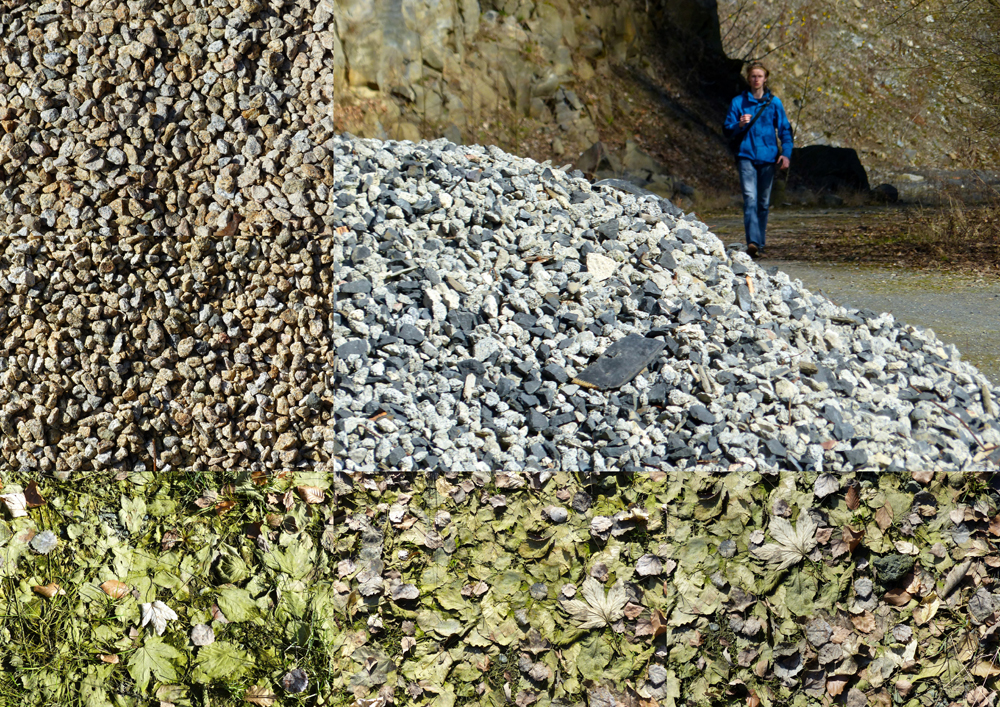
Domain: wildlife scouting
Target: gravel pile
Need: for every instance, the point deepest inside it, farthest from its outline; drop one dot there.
(476, 289)
(165, 239)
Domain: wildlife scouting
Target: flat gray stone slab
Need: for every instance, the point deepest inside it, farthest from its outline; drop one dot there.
(620, 362)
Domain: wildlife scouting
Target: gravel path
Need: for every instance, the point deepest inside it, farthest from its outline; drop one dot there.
(961, 310)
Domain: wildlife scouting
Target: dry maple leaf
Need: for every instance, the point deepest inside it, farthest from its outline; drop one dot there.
(791, 544)
(159, 613)
(599, 609)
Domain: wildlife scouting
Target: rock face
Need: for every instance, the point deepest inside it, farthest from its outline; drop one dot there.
(476, 287)
(437, 65)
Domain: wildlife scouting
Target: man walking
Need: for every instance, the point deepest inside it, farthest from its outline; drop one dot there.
(755, 123)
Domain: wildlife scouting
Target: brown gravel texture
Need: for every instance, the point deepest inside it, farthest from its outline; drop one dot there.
(165, 259)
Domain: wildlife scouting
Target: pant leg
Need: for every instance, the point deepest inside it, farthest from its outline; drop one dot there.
(748, 184)
(765, 180)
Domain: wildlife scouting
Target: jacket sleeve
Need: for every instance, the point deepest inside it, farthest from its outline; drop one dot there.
(732, 118)
(784, 129)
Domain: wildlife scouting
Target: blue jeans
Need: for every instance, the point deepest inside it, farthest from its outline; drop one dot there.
(756, 181)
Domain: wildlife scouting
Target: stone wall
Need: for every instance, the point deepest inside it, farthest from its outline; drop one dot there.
(411, 69)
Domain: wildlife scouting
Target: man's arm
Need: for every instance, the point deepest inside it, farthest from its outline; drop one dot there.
(732, 118)
(784, 135)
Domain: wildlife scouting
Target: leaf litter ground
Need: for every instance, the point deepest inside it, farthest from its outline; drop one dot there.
(541, 589)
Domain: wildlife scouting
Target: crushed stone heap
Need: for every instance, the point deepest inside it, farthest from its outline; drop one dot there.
(165, 240)
(495, 313)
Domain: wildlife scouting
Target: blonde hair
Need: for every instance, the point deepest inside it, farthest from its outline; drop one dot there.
(757, 65)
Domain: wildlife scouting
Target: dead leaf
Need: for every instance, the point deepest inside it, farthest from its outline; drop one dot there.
(407, 644)
(208, 498)
(525, 698)
(853, 498)
(753, 700)
(923, 477)
(838, 548)
(904, 547)
(225, 506)
(170, 539)
(377, 701)
(836, 684)
(882, 698)
(840, 634)
(115, 589)
(32, 497)
(257, 695)
(656, 626)
(49, 590)
(311, 494)
(218, 615)
(632, 611)
(979, 696)
(966, 646)
(648, 565)
(112, 659)
(16, 504)
(929, 606)
(598, 610)
(897, 597)
(750, 285)
(883, 517)
(852, 537)
(994, 527)
(865, 623)
(791, 544)
(828, 445)
(157, 613)
(985, 669)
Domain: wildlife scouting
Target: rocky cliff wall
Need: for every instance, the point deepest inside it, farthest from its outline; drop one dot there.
(500, 71)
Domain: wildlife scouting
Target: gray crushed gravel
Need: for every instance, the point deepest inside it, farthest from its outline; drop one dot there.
(475, 286)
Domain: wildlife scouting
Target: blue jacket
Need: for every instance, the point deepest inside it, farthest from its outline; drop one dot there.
(760, 145)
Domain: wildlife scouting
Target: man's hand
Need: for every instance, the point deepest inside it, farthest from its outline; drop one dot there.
(783, 162)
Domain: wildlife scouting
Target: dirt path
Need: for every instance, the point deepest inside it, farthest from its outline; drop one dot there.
(962, 309)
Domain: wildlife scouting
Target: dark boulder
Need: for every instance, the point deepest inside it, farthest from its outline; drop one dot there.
(825, 168)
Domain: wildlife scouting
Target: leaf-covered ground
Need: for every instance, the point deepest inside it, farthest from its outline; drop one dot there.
(538, 588)
(183, 589)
